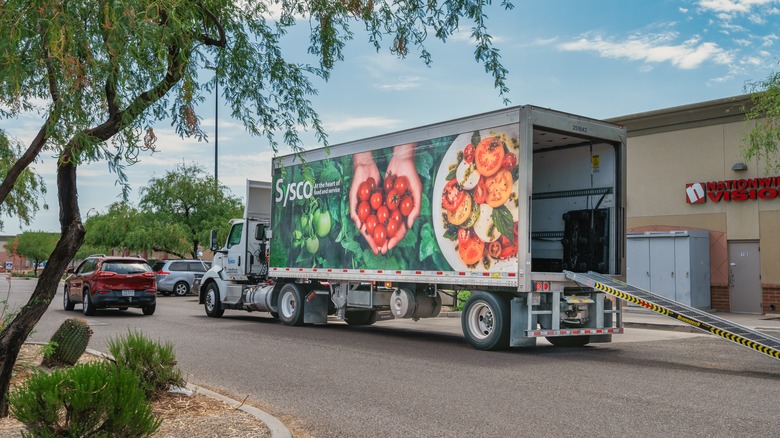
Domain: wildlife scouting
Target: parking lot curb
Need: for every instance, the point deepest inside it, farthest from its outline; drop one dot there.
(276, 427)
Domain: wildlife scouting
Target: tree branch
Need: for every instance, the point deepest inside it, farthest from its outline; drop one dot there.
(207, 40)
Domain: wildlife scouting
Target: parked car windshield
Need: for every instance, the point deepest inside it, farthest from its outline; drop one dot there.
(126, 267)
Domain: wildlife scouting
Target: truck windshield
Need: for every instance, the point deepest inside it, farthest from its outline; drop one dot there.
(235, 235)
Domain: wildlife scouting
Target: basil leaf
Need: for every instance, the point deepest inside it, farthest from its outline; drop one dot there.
(502, 219)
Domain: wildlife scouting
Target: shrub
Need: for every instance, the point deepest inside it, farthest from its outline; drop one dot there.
(69, 343)
(94, 399)
(463, 296)
(153, 362)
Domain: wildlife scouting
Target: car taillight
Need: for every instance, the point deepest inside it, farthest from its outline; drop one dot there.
(152, 274)
(163, 273)
(105, 274)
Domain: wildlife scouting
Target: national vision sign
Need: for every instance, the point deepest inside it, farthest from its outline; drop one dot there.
(735, 190)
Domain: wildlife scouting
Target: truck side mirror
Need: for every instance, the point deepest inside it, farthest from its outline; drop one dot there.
(260, 232)
(213, 240)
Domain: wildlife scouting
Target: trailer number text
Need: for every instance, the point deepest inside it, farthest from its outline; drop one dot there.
(578, 128)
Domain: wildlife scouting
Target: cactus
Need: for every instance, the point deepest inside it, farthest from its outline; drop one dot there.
(69, 341)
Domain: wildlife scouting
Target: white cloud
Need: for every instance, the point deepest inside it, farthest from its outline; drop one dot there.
(360, 122)
(733, 6)
(652, 49)
(402, 83)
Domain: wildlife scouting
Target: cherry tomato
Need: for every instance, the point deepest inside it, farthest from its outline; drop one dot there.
(463, 235)
(392, 228)
(494, 249)
(468, 153)
(396, 215)
(407, 205)
(452, 195)
(479, 193)
(364, 191)
(376, 201)
(380, 235)
(389, 182)
(371, 223)
(364, 209)
(393, 199)
(401, 185)
(382, 215)
(371, 183)
(510, 161)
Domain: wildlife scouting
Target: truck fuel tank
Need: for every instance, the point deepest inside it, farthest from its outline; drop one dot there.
(407, 304)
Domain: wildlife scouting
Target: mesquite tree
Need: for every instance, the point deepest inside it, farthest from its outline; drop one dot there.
(100, 72)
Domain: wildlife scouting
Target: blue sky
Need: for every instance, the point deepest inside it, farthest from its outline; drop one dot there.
(597, 58)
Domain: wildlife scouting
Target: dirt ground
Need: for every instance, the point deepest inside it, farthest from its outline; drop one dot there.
(183, 416)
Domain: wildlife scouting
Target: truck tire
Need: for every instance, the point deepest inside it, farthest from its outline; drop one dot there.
(181, 289)
(361, 317)
(212, 302)
(485, 321)
(290, 305)
(569, 341)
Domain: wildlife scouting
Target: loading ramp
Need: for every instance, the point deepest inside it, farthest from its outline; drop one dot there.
(702, 320)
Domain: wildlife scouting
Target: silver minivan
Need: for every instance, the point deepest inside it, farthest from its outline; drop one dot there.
(176, 276)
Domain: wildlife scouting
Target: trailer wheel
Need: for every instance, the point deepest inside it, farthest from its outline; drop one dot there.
(290, 305)
(212, 302)
(569, 341)
(485, 321)
(361, 317)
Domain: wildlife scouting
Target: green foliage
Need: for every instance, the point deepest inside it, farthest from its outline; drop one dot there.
(763, 140)
(36, 246)
(94, 399)
(154, 363)
(463, 296)
(184, 205)
(23, 201)
(70, 340)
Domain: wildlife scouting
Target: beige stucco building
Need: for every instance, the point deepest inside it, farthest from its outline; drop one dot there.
(685, 172)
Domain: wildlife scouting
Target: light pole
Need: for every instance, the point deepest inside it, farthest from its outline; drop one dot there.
(216, 124)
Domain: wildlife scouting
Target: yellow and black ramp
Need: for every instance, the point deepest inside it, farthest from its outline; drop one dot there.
(697, 318)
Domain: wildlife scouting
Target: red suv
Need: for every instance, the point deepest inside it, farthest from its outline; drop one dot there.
(103, 281)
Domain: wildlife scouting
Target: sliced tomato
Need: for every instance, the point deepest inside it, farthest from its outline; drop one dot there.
(494, 249)
(508, 248)
(471, 250)
(489, 155)
(479, 193)
(452, 195)
(499, 188)
(468, 153)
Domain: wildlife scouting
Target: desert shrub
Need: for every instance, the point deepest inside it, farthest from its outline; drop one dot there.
(94, 399)
(153, 362)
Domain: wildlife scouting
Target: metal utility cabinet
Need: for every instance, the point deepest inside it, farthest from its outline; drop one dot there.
(673, 264)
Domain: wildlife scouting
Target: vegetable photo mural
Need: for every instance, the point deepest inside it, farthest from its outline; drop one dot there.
(443, 204)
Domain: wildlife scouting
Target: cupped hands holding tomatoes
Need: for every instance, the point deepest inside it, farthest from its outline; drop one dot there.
(383, 210)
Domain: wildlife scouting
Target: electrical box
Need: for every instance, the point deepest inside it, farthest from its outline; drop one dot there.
(672, 264)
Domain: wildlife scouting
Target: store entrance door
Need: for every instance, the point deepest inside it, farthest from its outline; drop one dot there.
(745, 277)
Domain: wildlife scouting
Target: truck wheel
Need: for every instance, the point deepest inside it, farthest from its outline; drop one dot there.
(569, 341)
(290, 305)
(361, 317)
(67, 304)
(181, 288)
(212, 302)
(485, 321)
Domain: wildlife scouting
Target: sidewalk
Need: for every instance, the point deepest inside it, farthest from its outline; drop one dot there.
(638, 317)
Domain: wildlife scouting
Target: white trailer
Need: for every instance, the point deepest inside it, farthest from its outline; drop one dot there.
(395, 226)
